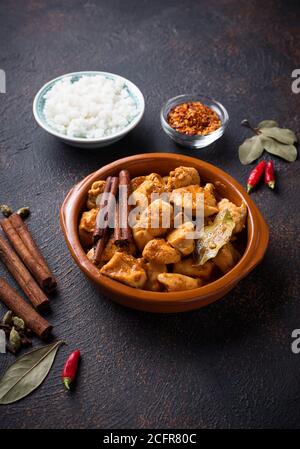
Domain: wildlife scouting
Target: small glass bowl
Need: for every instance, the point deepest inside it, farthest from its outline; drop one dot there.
(194, 141)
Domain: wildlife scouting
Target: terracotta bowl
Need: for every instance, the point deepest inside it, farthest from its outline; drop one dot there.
(256, 235)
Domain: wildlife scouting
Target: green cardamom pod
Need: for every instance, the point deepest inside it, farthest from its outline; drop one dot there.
(15, 339)
(24, 212)
(18, 323)
(6, 210)
(7, 319)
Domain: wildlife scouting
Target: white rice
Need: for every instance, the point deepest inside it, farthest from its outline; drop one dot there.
(92, 107)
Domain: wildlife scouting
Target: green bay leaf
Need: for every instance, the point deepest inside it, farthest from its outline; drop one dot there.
(251, 149)
(267, 124)
(287, 152)
(27, 373)
(283, 135)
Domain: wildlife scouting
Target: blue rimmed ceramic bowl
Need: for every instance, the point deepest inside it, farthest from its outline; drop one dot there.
(39, 105)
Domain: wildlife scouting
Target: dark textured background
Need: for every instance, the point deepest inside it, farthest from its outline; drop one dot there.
(230, 364)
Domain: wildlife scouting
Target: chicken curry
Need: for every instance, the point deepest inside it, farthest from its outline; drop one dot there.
(165, 257)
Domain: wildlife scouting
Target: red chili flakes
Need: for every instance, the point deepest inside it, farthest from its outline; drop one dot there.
(193, 118)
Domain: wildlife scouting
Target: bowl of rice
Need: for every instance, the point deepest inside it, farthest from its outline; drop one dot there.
(89, 109)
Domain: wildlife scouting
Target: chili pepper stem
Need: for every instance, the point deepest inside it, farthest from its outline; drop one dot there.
(249, 188)
(271, 184)
(67, 381)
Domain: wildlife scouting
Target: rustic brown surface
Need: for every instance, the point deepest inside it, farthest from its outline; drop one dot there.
(229, 365)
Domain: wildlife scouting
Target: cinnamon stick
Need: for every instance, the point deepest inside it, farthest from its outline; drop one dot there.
(101, 232)
(23, 277)
(42, 277)
(117, 229)
(123, 232)
(25, 235)
(22, 309)
(98, 231)
(100, 246)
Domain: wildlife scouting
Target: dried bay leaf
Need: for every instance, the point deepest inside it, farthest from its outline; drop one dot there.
(214, 237)
(269, 137)
(251, 149)
(287, 152)
(27, 373)
(283, 135)
(267, 124)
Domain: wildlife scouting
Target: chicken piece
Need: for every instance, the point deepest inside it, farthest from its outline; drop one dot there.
(157, 218)
(143, 195)
(188, 268)
(182, 177)
(154, 177)
(110, 249)
(159, 251)
(90, 254)
(238, 213)
(88, 220)
(126, 269)
(192, 196)
(137, 181)
(174, 282)
(181, 239)
(210, 202)
(226, 258)
(153, 270)
(187, 197)
(96, 189)
(141, 237)
(87, 226)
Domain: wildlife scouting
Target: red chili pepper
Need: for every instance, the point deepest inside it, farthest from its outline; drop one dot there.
(269, 175)
(255, 176)
(70, 369)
